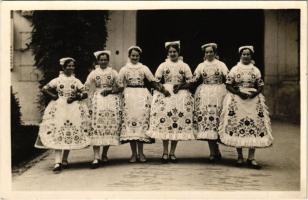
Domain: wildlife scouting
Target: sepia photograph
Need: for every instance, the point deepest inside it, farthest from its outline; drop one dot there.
(155, 99)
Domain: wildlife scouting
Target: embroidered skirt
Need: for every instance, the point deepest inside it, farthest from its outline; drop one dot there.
(245, 123)
(105, 119)
(208, 106)
(136, 114)
(172, 117)
(64, 126)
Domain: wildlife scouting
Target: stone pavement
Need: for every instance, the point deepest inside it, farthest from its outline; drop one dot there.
(280, 172)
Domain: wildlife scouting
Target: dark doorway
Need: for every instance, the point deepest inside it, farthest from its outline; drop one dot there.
(228, 28)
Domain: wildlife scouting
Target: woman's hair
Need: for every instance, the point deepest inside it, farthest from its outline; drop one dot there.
(241, 51)
(98, 57)
(213, 47)
(66, 63)
(176, 47)
(135, 49)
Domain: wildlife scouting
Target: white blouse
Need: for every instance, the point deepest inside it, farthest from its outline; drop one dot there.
(134, 75)
(173, 72)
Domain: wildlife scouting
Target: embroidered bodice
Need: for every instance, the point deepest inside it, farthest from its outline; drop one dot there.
(134, 75)
(173, 72)
(211, 72)
(247, 76)
(66, 86)
(102, 78)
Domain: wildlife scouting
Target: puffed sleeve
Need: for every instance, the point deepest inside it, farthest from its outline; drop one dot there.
(79, 85)
(121, 77)
(115, 77)
(52, 84)
(187, 72)
(159, 72)
(148, 74)
(224, 69)
(89, 80)
(259, 81)
(197, 73)
(231, 76)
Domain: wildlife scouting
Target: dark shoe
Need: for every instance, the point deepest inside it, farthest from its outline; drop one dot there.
(218, 157)
(173, 159)
(57, 168)
(240, 162)
(95, 164)
(253, 164)
(133, 159)
(105, 159)
(142, 158)
(164, 158)
(212, 158)
(65, 165)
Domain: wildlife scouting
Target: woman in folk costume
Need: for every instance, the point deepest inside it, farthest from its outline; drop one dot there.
(136, 103)
(210, 75)
(105, 107)
(172, 117)
(245, 121)
(65, 123)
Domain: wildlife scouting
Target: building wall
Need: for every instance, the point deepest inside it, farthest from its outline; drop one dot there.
(24, 76)
(121, 35)
(282, 69)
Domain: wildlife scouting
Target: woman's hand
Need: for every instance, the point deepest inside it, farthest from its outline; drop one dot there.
(54, 96)
(243, 96)
(105, 93)
(71, 100)
(166, 93)
(176, 88)
(253, 94)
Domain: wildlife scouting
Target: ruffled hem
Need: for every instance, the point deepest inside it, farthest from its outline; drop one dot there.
(250, 142)
(113, 141)
(171, 136)
(208, 135)
(61, 147)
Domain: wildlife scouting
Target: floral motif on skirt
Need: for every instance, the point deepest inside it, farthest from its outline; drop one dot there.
(105, 119)
(172, 117)
(208, 106)
(136, 114)
(64, 126)
(245, 123)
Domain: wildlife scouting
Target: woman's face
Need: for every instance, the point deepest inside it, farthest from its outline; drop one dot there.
(246, 56)
(69, 69)
(173, 54)
(134, 56)
(209, 53)
(103, 61)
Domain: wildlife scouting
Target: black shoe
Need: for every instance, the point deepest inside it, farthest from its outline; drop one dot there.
(173, 159)
(95, 164)
(133, 159)
(65, 165)
(212, 158)
(141, 159)
(240, 162)
(253, 164)
(218, 157)
(164, 158)
(105, 159)
(57, 168)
